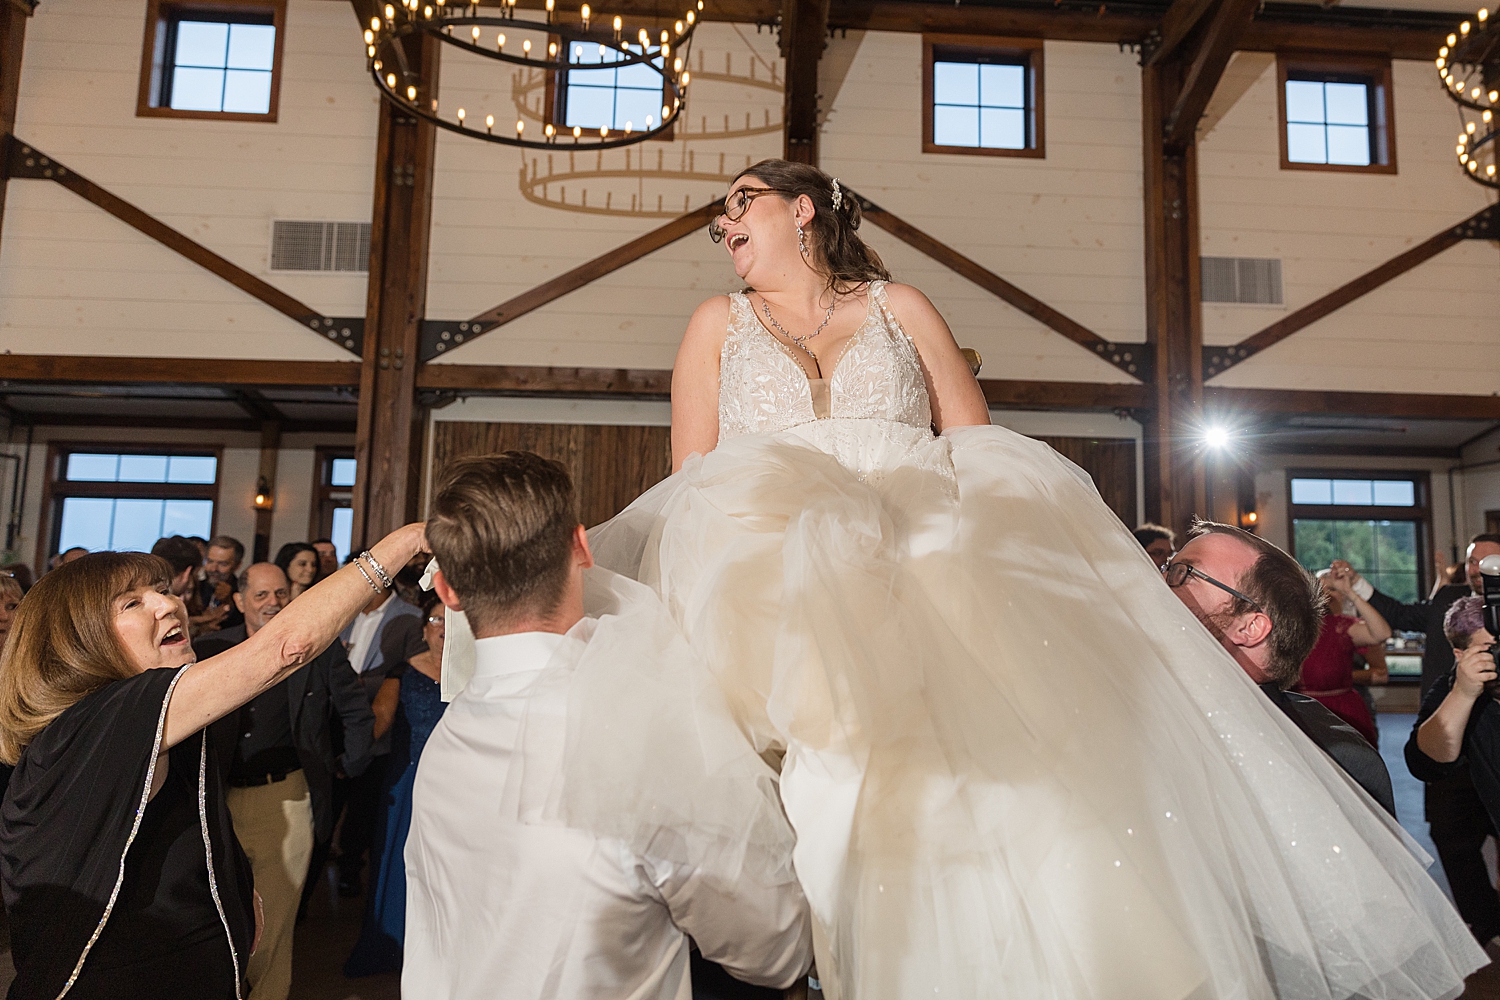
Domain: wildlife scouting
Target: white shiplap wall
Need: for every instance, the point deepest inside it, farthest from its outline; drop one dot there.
(73, 280)
(1430, 330)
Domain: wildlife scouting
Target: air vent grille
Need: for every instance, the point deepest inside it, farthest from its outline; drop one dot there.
(1252, 280)
(320, 246)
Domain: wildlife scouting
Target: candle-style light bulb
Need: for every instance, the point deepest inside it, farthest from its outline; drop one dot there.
(666, 49)
(1463, 29)
(489, 123)
(619, 23)
(461, 114)
(369, 50)
(664, 36)
(677, 65)
(526, 47)
(649, 120)
(500, 42)
(369, 36)
(377, 66)
(687, 77)
(677, 27)
(577, 131)
(645, 38)
(427, 12)
(551, 50)
(604, 131)
(474, 32)
(628, 127)
(390, 80)
(520, 126)
(1484, 13)
(1452, 39)
(691, 17)
(411, 93)
(374, 24)
(550, 131)
(549, 6)
(585, 13)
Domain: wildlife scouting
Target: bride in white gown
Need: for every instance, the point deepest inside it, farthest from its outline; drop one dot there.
(1016, 765)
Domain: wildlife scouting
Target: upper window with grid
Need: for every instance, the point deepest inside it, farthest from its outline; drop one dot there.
(1336, 118)
(983, 98)
(216, 60)
(609, 96)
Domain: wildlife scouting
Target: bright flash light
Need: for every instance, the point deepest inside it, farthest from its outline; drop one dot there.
(1216, 437)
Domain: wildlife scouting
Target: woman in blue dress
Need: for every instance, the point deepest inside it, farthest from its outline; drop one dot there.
(409, 704)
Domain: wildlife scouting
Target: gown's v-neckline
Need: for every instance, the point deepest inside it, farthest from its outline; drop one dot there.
(853, 338)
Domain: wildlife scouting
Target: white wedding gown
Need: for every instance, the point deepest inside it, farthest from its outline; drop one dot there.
(1016, 765)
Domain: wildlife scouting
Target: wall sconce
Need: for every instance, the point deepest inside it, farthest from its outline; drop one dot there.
(263, 498)
(1249, 520)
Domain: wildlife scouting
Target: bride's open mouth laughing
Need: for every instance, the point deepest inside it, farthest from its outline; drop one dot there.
(737, 240)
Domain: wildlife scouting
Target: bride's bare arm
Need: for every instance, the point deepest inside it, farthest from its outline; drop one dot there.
(695, 381)
(957, 400)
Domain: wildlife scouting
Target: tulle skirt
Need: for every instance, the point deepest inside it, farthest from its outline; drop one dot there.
(1015, 764)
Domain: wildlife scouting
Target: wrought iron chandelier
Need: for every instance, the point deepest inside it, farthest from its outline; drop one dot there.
(537, 45)
(1469, 65)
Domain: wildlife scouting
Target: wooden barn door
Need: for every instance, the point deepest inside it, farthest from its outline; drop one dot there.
(611, 465)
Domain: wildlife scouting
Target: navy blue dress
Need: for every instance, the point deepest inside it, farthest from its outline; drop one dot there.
(380, 940)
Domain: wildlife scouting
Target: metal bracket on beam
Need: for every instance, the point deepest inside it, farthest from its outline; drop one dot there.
(1484, 226)
(347, 332)
(439, 336)
(1132, 359)
(1218, 360)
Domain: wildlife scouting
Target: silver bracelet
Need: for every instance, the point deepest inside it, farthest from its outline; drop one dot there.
(368, 579)
(385, 577)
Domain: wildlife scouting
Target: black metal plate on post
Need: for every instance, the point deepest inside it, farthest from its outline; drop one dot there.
(439, 336)
(1135, 360)
(1218, 360)
(347, 332)
(1484, 226)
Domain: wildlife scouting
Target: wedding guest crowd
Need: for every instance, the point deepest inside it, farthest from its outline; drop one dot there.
(316, 694)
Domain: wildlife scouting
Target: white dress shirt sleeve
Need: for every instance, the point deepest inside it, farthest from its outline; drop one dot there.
(760, 934)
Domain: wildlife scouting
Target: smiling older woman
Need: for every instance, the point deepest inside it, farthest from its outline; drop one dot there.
(121, 873)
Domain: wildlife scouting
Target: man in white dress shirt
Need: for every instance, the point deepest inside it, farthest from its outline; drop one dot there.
(502, 908)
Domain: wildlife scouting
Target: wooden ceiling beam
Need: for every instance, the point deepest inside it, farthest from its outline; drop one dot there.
(1213, 51)
(804, 35)
(1180, 20)
(109, 370)
(1410, 405)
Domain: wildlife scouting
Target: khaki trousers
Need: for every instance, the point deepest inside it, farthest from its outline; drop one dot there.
(275, 825)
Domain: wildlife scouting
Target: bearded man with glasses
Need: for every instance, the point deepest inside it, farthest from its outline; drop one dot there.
(1266, 610)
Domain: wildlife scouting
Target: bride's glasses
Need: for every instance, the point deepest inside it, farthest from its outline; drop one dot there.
(1178, 573)
(735, 207)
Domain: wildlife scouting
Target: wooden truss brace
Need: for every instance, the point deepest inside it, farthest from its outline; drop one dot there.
(21, 160)
(439, 337)
(1220, 37)
(1132, 359)
(1482, 225)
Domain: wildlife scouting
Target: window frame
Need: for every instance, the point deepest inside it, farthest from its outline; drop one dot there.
(1420, 513)
(158, 15)
(325, 496)
(1372, 70)
(1030, 50)
(56, 487)
(555, 99)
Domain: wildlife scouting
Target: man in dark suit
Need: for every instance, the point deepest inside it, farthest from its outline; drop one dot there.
(386, 634)
(1458, 820)
(281, 763)
(1267, 610)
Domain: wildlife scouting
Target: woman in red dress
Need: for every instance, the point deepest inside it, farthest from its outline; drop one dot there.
(1328, 671)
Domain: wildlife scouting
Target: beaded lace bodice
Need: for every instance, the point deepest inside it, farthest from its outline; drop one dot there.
(762, 388)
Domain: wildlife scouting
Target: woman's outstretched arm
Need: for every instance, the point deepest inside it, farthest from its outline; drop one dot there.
(213, 688)
(957, 400)
(695, 382)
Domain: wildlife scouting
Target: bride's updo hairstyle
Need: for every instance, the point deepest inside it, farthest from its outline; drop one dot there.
(837, 251)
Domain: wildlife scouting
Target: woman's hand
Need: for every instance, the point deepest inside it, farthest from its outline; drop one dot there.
(1476, 666)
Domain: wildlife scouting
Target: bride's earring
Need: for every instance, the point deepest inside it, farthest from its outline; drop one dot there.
(802, 239)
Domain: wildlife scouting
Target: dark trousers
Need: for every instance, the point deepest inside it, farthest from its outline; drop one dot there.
(1459, 825)
(711, 982)
(361, 809)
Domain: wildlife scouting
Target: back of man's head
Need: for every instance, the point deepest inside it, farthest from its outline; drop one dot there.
(501, 527)
(1148, 533)
(1288, 594)
(179, 552)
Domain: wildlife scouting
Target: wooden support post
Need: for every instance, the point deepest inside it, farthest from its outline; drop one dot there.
(804, 33)
(388, 438)
(1175, 486)
(12, 41)
(270, 449)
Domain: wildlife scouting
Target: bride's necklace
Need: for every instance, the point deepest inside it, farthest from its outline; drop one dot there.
(801, 342)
